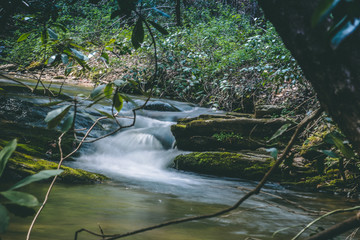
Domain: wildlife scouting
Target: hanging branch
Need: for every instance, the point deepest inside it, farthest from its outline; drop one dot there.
(256, 190)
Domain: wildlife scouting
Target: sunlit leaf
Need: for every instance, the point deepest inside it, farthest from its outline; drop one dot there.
(108, 90)
(52, 34)
(45, 174)
(51, 59)
(20, 198)
(4, 219)
(118, 102)
(161, 12)
(159, 28)
(68, 122)
(97, 91)
(344, 148)
(105, 113)
(273, 152)
(323, 10)
(137, 37)
(24, 36)
(111, 41)
(79, 54)
(280, 131)
(5, 154)
(54, 117)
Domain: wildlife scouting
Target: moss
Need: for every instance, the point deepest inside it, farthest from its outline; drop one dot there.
(21, 165)
(225, 164)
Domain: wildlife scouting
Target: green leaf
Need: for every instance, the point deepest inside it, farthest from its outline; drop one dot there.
(105, 114)
(64, 58)
(51, 59)
(4, 219)
(52, 34)
(330, 153)
(5, 154)
(119, 82)
(68, 68)
(344, 32)
(118, 102)
(108, 90)
(273, 152)
(344, 149)
(20, 198)
(111, 41)
(280, 131)
(137, 37)
(79, 54)
(96, 101)
(45, 174)
(323, 10)
(54, 117)
(24, 36)
(109, 48)
(159, 28)
(105, 56)
(68, 122)
(97, 91)
(19, 211)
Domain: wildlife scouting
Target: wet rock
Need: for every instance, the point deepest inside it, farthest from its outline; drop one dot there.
(218, 133)
(161, 106)
(245, 165)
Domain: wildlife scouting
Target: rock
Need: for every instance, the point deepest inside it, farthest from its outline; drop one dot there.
(244, 165)
(268, 111)
(21, 165)
(161, 106)
(214, 133)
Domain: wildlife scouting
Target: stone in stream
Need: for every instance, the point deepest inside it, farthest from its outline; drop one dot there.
(161, 106)
(227, 132)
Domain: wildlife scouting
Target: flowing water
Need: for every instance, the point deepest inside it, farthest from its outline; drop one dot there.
(146, 190)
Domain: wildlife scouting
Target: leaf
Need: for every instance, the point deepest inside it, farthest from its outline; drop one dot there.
(68, 122)
(118, 102)
(79, 54)
(119, 82)
(105, 56)
(64, 58)
(61, 26)
(323, 10)
(24, 36)
(51, 59)
(97, 91)
(330, 153)
(159, 28)
(54, 117)
(20, 211)
(105, 114)
(53, 103)
(45, 174)
(111, 41)
(161, 12)
(344, 149)
(52, 34)
(95, 101)
(273, 152)
(108, 90)
(137, 37)
(344, 32)
(20, 198)
(5, 154)
(280, 131)
(4, 219)
(68, 68)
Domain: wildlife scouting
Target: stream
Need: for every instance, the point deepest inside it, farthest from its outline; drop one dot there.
(145, 190)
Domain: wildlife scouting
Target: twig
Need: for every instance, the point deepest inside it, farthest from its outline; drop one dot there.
(256, 190)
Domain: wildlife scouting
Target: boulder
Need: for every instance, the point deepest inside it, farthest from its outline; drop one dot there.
(245, 165)
(218, 133)
(161, 106)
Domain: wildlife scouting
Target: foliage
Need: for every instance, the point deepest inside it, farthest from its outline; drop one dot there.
(19, 203)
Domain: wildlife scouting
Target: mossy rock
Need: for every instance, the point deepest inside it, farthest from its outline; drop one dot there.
(21, 165)
(197, 134)
(240, 165)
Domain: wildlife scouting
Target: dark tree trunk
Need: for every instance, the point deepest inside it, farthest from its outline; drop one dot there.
(334, 74)
(178, 12)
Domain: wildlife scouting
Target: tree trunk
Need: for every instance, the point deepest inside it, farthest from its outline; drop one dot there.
(334, 74)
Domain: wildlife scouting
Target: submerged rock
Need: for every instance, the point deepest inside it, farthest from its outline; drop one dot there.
(219, 133)
(246, 165)
(161, 106)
